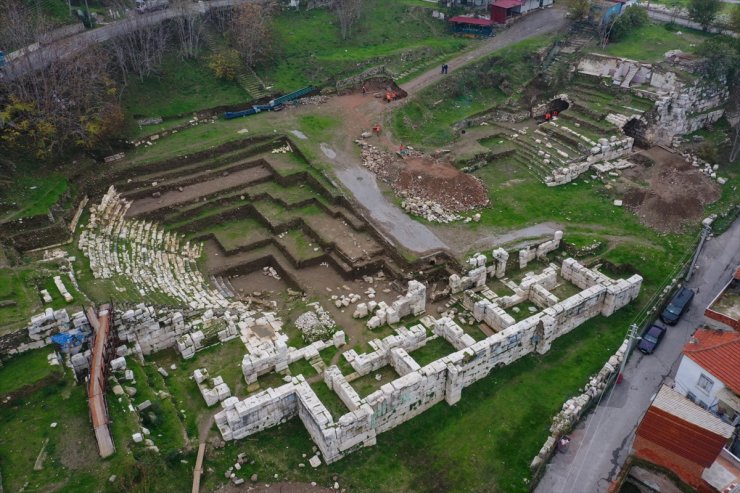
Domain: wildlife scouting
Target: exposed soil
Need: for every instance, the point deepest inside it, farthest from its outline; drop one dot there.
(191, 192)
(420, 176)
(441, 182)
(670, 194)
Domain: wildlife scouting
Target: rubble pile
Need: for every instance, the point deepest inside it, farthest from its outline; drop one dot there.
(316, 325)
(312, 100)
(436, 191)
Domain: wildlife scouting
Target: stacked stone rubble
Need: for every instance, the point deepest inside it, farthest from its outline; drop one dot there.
(540, 251)
(217, 392)
(154, 260)
(448, 329)
(413, 303)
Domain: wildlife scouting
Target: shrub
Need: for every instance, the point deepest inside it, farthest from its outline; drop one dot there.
(225, 64)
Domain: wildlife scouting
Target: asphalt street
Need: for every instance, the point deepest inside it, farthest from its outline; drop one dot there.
(601, 442)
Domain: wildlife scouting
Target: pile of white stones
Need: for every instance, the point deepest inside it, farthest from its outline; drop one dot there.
(316, 325)
(283, 149)
(429, 210)
(312, 100)
(270, 272)
(63, 289)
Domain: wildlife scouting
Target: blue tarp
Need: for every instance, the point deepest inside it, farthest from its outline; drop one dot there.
(68, 340)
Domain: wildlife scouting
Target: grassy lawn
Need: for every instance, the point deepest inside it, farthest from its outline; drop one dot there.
(427, 119)
(33, 195)
(311, 51)
(182, 86)
(15, 284)
(26, 369)
(433, 350)
(72, 461)
(649, 43)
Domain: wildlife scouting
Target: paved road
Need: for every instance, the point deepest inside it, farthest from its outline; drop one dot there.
(67, 47)
(602, 442)
(661, 16)
(540, 22)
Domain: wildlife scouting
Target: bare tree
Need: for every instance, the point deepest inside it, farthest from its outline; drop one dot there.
(251, 30)
(140, 50)
(221, 18)
(348, 12)
(18, 25)
(188, 28)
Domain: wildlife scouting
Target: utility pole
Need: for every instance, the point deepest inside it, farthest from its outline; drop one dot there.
(631, 336)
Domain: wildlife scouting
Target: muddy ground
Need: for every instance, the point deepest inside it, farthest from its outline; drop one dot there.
(669, 194)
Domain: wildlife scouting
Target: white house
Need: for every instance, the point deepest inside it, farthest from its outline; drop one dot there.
(709, 372)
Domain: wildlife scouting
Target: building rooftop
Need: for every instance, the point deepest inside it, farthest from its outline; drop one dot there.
(727, 303)
(718, 352)
(679, 425)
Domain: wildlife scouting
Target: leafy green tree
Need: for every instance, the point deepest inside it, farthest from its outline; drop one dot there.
(704, 11)
(723, 67)
(632, 18)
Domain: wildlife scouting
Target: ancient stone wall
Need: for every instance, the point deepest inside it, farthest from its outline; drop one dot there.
(683, 104)
(418, 389)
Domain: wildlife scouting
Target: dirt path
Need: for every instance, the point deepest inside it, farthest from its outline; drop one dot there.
(543, 21)
(361, 113)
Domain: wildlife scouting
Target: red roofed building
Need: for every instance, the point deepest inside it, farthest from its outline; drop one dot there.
(502, 11)
(679, 435)
(472, 25)
(709, 372)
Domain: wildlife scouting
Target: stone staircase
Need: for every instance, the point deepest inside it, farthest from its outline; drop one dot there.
(250, 82)
(580, 35)
(245, 77)
(628, 78)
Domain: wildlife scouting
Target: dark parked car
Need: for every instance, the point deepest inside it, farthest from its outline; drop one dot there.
(677, 306)
(651, 338)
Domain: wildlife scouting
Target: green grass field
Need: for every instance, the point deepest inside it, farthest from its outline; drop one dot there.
(34, 195)
(310, 49)
(427, 119)
(182, 86)
(649, 43)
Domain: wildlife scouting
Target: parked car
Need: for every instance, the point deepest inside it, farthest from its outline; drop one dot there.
(143, 6)
(651, 338)
(678, 305)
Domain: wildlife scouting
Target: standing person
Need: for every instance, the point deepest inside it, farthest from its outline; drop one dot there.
(443, 68)
(446, 68)
(364, 89)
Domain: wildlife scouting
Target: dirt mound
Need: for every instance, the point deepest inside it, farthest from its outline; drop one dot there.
(441, 182)
(675, 195)
(422, 178)
(375, 85)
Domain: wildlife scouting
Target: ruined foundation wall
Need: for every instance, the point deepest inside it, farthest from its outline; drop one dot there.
(418, 390)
